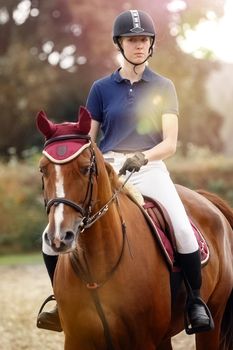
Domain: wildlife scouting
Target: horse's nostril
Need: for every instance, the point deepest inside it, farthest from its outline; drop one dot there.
(69, 236)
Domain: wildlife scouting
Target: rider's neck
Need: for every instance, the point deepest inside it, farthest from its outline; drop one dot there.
(131, 72)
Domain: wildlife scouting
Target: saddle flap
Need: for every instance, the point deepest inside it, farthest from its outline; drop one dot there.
(162, 228)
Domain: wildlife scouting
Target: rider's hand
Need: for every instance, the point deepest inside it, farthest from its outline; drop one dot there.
(133, 163)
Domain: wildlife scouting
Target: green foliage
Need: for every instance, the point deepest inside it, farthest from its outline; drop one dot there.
(21, 259)
(202, 169)
(22, 216)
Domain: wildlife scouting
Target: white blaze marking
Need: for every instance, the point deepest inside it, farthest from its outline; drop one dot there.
(58, 214)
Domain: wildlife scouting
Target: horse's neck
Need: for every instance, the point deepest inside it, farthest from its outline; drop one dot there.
(102, 242)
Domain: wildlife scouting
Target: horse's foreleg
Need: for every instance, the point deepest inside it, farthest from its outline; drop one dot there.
(209, 340)
(165, 345)
(77, 344)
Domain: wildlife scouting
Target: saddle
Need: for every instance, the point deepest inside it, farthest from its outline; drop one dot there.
(162, 229)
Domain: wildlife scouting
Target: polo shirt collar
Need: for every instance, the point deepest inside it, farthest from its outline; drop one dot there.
(146, 76)
(117, 77)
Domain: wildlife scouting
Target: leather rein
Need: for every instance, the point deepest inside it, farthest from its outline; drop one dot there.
(88, 219)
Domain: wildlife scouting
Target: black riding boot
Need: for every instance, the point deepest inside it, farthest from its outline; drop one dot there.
(198, 317)
(50, 263)
(49, 319)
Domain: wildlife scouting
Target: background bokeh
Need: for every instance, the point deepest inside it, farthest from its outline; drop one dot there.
(50, 54)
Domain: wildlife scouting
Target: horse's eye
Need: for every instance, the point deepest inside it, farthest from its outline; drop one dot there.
(85, 170)
(43, 170)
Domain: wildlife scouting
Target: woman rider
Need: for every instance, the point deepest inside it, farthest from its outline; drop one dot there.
(137, 111)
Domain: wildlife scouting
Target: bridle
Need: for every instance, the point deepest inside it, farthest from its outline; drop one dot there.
(84, 210)
(88, 219)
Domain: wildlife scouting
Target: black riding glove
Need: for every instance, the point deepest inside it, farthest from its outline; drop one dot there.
(133, 163)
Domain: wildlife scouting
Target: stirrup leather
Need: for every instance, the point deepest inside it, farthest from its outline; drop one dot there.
(189, 329)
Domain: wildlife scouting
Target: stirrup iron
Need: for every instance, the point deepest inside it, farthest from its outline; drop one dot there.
(48, 320)
(189, 329)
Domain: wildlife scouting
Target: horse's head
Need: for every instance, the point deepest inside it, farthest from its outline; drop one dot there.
(69, 173)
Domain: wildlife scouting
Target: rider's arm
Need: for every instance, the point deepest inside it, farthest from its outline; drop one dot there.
(95, 125)
(167, 147)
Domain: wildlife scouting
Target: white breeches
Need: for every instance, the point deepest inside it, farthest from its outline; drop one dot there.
(153, 180)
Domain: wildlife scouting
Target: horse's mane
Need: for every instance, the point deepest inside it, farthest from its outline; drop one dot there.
(113, 177)
(114, 180)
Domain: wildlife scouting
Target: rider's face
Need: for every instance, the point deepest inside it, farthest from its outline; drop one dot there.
(136, 48)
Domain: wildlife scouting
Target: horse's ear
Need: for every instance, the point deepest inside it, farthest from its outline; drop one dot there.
(45, 126)
(84, 120)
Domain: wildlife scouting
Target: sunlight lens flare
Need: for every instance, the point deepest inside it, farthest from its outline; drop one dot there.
(212, 35)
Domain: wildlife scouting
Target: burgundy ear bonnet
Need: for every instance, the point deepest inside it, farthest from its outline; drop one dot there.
(65, 141)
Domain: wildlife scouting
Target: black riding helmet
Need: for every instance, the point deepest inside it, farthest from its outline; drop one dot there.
(133, 23)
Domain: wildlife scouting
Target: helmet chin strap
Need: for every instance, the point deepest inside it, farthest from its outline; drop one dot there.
(131, 62)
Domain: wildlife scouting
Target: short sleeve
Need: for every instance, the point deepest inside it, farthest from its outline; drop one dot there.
(94, 103)
(170, 99)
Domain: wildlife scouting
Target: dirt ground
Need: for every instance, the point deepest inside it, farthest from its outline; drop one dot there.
(22, 290)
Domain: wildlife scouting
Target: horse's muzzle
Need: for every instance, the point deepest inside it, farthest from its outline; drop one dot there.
(62, 244)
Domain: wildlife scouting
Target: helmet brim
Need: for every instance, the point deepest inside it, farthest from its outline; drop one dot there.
(137, 34)
(115, 38)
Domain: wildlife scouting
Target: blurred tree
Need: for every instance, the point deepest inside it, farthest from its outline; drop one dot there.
(50, 52)
(219, 87)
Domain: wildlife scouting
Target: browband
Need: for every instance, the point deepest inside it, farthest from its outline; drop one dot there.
(67, 137)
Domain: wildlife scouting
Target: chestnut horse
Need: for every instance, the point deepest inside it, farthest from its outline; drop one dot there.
(112, 283)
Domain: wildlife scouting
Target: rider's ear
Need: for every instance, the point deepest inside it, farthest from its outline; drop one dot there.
(45, 126)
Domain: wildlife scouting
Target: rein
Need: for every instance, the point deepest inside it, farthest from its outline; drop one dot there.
(88, 222)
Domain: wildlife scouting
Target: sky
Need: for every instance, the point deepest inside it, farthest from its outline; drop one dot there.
(213, 34)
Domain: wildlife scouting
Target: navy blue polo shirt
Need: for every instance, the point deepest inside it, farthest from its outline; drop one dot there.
(131, 114)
